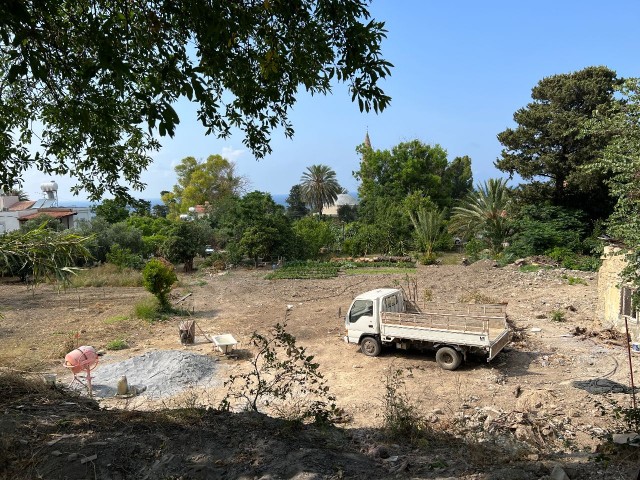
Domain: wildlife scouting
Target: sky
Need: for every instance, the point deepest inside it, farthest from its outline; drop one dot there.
(461, 70)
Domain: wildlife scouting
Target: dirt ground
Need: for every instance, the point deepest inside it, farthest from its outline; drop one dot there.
(536, 404)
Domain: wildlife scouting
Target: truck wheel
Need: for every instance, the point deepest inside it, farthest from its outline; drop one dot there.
(370, 347)
(448, 358)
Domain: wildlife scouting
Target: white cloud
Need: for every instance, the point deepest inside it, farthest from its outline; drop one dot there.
(232, 154)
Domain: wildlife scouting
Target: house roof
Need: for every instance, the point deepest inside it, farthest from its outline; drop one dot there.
(23, 205)
(51, 213)
(345, 199)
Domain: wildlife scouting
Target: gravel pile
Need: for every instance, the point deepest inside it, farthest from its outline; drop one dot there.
(164, 373)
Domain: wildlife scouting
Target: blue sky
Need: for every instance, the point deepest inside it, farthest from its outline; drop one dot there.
(461, 69)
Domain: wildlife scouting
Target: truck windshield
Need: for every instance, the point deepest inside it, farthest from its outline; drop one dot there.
(360, 308)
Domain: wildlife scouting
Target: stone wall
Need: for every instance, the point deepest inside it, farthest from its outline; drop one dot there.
(613, 262)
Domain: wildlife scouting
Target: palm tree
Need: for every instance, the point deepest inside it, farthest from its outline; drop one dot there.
(429, 230)
(319, 187)
(484, 213)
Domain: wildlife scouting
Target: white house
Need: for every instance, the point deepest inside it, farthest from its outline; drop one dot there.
(14, 212)
(343, 199)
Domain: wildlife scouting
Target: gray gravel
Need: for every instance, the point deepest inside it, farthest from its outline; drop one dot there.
(164, 373)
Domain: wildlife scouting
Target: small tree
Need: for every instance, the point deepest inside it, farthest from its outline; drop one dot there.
(296, 208)
(282, 376)
(429, 231)
(485, 214)
(186, 240)
(158, 276)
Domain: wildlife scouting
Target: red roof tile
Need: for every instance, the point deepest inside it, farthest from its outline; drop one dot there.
(24, 205)
(54, 214)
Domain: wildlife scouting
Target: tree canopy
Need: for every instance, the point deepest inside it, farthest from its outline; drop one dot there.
(485, 214)
(87, 88)
(549, 146)
(621, 159)
(319, 186)
(200, 182)
(413, 168)
(296, 207)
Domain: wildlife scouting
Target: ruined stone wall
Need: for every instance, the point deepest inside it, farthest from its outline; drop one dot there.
(613, 262)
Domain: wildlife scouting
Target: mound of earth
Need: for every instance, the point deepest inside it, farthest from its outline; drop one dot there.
(157, 374)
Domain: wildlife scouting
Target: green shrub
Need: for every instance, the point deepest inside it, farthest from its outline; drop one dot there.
(540, 228)
(117, 345)
(401, 418)
(124, 258)
(148, 309)
(566, 258)
(474, 249)
(428, 258)
(158, 276)
(558, 316)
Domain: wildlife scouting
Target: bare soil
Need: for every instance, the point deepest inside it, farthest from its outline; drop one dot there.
(535, 405)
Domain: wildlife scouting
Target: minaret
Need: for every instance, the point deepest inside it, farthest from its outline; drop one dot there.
(367, 142)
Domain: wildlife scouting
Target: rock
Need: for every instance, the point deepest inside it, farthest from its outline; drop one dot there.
(626, 439)
(379, 451)
(558, 473)
(72, 456)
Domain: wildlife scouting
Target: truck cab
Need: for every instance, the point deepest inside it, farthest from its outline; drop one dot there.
(363, 317)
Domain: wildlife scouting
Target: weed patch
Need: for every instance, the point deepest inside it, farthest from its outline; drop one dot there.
(401, 420)
(117, 345)
(476, 297)
(116, 319)
(148, 309)
(533, 268)
(107, 275)
(574, 280)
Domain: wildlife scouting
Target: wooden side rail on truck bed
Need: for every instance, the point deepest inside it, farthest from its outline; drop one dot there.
(489, 320)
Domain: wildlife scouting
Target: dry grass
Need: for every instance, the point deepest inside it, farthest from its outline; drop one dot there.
(107, 275)
(476, 297)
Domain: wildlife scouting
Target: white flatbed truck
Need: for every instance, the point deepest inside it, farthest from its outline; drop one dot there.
(379, 318)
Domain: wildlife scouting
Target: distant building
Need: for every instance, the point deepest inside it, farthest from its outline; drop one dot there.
(13, 211)
(199, 211)
(343, 199)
